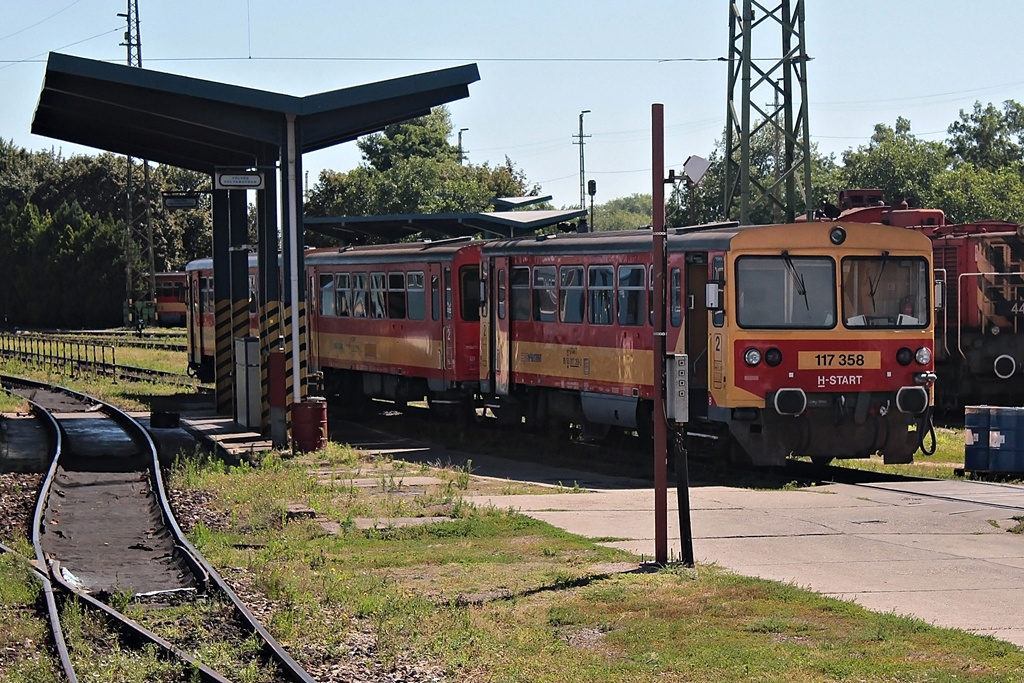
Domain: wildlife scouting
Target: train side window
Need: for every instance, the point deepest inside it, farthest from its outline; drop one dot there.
(600, 294)
(631, 295)
(417, 302)
(378, 296)
(501, 294)
(521, 294)
(448, 306)
(545, 294)
(435, 299)
(571, 300)
(676, 301)
(344, 294)
(359, 295)
(328, 297)
(469, 293)
(396, 296)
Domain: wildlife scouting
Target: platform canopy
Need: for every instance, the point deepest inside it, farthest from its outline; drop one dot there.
(202, 125)
(391, 228)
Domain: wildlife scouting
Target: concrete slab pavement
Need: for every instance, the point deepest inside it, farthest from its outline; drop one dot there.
(942, 560)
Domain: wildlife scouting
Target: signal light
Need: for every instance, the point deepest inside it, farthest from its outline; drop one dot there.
(773, 357)
(904, 356)
(837, 235)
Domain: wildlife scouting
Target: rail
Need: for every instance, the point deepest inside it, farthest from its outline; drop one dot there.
(274, 655)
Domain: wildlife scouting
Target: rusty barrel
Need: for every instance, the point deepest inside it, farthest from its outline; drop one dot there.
(309, 424)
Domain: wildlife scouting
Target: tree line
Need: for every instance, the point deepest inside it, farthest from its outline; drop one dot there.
(64, 243)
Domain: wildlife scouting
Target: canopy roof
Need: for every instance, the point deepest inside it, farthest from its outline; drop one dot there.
(202, 125)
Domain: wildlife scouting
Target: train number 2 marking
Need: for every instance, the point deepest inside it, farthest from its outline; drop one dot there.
(861, 360)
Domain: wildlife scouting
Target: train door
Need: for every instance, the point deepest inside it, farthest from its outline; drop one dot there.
(433, 275)
(192, 319)
(501, 359)
(448, 326)
(696, 330)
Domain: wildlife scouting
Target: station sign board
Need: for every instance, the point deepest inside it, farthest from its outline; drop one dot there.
(238, 180)
(183, 200)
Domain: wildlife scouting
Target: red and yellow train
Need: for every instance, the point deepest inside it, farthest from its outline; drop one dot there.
(979, 333)
(812, 339)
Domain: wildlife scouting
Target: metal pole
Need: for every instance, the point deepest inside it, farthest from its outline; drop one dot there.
(293, 231)
(583, 173)
(658, 263)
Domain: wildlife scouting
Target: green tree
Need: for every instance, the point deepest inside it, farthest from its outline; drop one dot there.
(987, 137)
(411, 167)
(624, 213)
(968, 193)
(898, 163)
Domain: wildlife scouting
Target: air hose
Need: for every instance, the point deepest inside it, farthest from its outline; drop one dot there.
(929, 419)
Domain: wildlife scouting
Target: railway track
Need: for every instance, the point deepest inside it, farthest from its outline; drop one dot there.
(105, 539)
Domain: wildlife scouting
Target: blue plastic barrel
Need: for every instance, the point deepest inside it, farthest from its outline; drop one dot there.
(976, 438)
(1006, 439)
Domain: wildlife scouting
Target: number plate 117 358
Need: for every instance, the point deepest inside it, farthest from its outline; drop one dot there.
(840, 360)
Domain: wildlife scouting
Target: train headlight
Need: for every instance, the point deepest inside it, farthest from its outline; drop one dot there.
(923, 356)
(837, 235)
(752, 357)
(904, 356)
(773, 356)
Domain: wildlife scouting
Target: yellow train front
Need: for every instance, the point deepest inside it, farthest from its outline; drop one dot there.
(819, 340)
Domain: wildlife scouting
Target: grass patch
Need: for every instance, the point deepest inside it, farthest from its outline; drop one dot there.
(495, 596)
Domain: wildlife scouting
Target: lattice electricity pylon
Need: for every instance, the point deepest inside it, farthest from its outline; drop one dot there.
(784, 81)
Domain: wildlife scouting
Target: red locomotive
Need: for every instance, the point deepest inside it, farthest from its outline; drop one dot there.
(979, 333)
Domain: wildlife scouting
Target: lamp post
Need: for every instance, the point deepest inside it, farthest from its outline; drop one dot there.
(462, 156)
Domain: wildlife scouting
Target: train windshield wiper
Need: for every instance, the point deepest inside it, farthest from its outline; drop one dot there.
(874, 285)
(798, 279)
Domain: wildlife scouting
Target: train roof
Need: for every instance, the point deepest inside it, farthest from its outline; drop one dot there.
(423, 250)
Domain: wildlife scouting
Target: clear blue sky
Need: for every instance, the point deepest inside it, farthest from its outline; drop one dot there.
(542, 63)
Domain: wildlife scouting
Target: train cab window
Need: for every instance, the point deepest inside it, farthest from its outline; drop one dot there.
(417, 302)
(328, 297)
(469, 293)
(632, 289)
(675, 298)
(343, 305)
(545, 294)
(501, 294)
(571, 300)
(521, 294)
(781, 292)
(882, 291)
(378, 296)
(435, 299)
(396, 296)
(601, 294)
(360, 295)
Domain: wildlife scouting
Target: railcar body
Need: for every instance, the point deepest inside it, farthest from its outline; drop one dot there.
(398, 322)
(170, 298)
(201, 316)
(816, 339)
(979, 333)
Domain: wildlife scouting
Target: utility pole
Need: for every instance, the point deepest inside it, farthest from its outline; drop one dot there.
(462, 153)
(583, 173)
(788, 118)
(133, 44)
